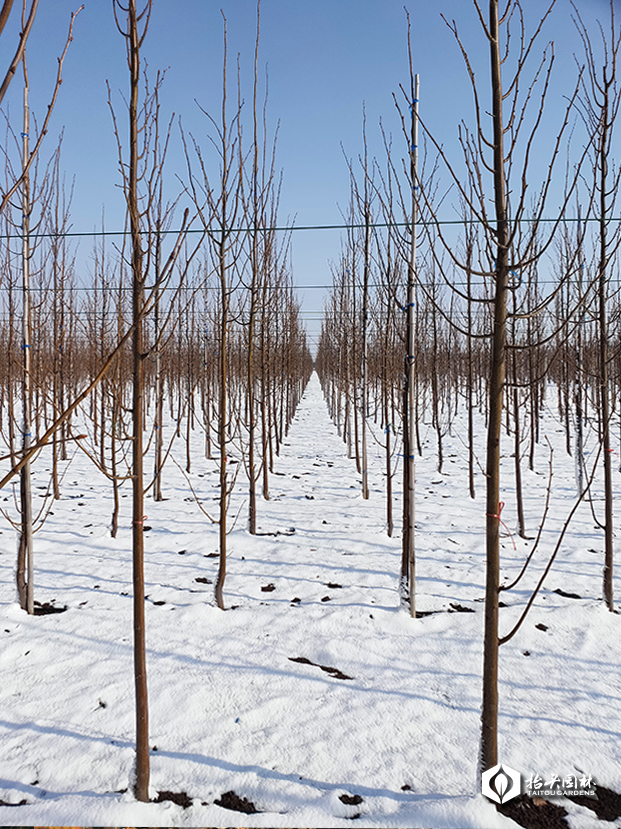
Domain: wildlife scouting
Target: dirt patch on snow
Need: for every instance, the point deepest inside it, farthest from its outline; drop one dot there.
(606, 804)
(47, 607)
(180, 798)
(335, 672)
(232, 801)
(534, 813)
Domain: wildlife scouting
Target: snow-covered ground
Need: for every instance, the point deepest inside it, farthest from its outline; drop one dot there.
(232, 708)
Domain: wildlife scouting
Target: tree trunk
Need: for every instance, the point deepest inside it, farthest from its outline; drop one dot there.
(489, 714)
(25, 566)
(222, 416)
(141, 786)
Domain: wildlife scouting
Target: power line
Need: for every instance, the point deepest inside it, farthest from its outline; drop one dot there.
(114, 289)
(291, 228)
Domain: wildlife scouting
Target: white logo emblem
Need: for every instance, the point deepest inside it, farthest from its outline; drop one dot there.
(500, 783)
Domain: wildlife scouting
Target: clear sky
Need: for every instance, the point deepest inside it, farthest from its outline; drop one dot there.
(324, 58)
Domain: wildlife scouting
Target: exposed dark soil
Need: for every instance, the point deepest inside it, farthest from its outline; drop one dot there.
(460, 608)
(203, 580)
(534, 813)
(333, 585)
(560, 592)
(231, 800)
(606, 804)
(180, 798)
(541, 626)
(350, 799)
(21, 803)
(334, 672)
(268, 588)
(47, 607)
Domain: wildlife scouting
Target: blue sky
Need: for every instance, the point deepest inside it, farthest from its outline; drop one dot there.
(324, 58)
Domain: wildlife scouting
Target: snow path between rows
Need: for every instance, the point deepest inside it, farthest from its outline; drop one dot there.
(229, 710)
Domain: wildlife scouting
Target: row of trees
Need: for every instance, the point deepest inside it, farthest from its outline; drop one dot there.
(427, 316)
(172, 331)
(202, 320)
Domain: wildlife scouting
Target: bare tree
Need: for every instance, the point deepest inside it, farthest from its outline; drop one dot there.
(141, 175)
(600, 101)
(134, 29)
(504, 160)
(222, 202)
